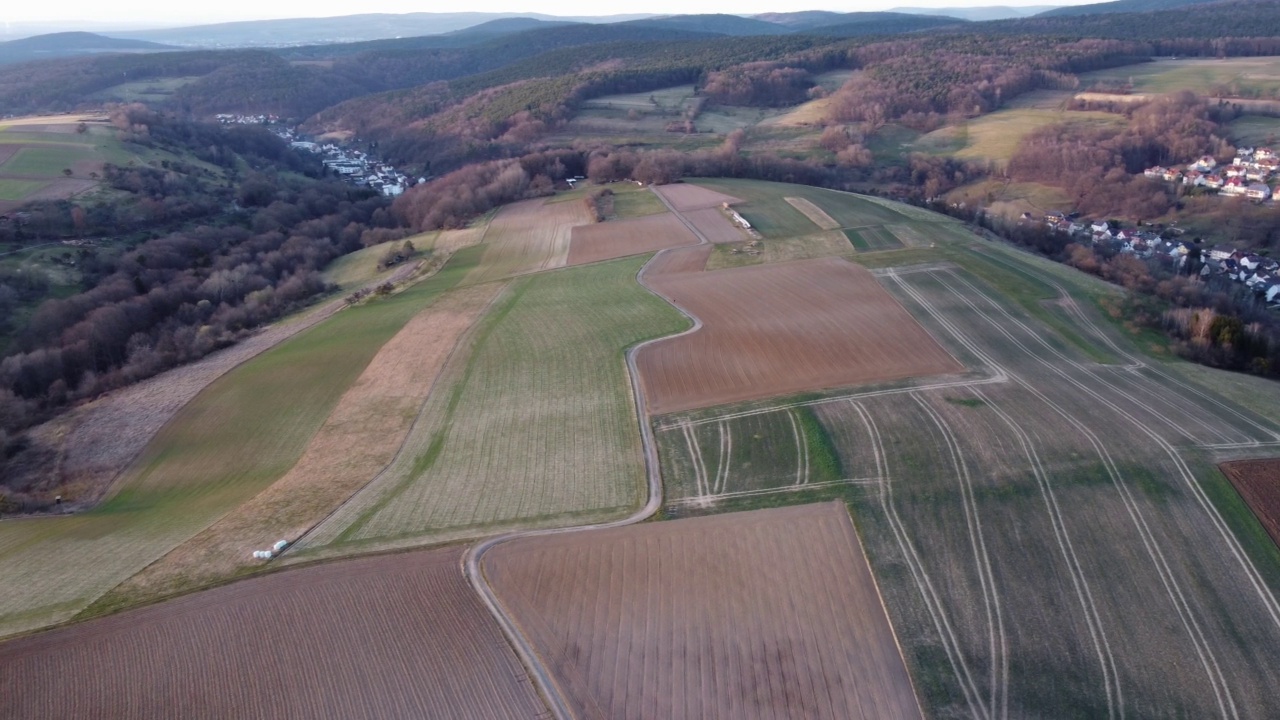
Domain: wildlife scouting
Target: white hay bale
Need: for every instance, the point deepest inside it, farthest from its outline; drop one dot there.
(280, 545)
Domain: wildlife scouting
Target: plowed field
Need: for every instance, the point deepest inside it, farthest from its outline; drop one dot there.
(684, 260)
(1258, 482)
(775, 329)
(609, 240)
(527, 237)
(766, 614)
(309, 643)
(693, 197)
(714, 225)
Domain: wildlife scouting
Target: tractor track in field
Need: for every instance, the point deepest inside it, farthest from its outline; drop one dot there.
(472, 561)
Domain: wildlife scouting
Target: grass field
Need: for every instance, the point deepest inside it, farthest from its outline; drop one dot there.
(1001, 512)
(1232, 77)
(18, 189)
(528, 236)
(630, 201)
(1254, 130)
(870, 239)
(237, 437)
(47, 161)
(361, 267)
(995, 136)
(533, 426)
(1011, 199)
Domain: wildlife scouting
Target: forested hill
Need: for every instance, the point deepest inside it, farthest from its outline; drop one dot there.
(1120, 6)
(1222, 21)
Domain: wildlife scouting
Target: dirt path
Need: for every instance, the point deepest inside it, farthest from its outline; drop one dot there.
(473, 560)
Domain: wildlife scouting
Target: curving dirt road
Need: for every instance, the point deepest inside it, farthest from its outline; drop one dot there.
(472, 560)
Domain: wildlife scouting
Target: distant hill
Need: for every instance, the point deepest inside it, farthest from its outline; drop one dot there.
(344, 29)
(1196, 20)
(978, 14)
(883, 23)
(719, 24)
(1120, 6)
(70, 44)
(507, 26)
(803, 19)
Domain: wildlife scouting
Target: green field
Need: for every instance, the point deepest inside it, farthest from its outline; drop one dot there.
(235, 438)
(996, 136)
(1254, 130)
(1046, 532)
(47, 161)
(532, 424)
(1233, 77)
(630, 201)
(18, 189)
(361, 267)
(871, 239)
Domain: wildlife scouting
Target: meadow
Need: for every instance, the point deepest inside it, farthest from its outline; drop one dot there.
(1250, 77)
(995, 137)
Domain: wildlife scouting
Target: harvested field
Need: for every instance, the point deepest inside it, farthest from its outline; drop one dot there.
(359, 439)
(777, 329)
(683, 196)
(715, 225)
(620, 238)
(814, 213)
(1258, 482)
(533, 423)
(675, 620)
(388, 637)
(527, 237)
(680, 261)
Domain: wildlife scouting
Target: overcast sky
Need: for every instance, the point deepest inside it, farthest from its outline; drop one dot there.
(156, 13)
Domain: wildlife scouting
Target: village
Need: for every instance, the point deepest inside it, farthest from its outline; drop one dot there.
(354, 166)
(1249, 175)
(1259, 273)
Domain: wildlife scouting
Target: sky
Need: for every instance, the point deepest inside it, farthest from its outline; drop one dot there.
(159, 13)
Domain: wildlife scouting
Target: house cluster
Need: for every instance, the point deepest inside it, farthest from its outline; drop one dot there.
(237, 119)
(1260, 274)
(1250, 174)
(357, 167)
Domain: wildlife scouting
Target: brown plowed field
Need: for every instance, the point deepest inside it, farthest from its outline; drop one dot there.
(715, 226)
(693, 197)
(609, 240)
(527, 237)
(359, 439)
(764, 614)
(683, 260)
(396, 636)
(778, 329)
(1258, 482)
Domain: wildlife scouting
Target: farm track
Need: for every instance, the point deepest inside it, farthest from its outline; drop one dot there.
(472, 561)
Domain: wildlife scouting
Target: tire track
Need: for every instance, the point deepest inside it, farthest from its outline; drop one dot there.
(999, 651)
(1098, 634)
(1172, 588)
(932, 601)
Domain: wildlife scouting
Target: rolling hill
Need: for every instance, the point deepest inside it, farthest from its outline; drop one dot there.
(67, 44)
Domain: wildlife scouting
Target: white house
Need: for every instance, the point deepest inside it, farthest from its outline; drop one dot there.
(1194, 178)
(1233, 187)
(1204, 164)
(1155, 173)
(1257, 191)
(1213, 182)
